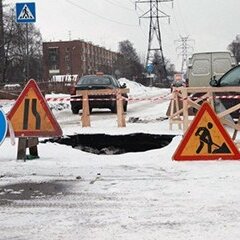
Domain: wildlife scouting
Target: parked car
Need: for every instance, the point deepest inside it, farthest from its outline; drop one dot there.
(230, 78)
(95, 82)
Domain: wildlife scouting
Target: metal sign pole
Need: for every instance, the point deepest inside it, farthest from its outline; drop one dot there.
(27, 53)
(26, 13)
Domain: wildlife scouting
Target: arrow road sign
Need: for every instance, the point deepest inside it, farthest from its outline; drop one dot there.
(25, 12)
(3, 126)
(30, 116)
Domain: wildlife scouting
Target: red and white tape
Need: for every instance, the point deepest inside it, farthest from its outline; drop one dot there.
(130, 99)
(213, 97)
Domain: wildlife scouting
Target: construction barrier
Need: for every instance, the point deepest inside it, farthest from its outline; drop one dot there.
(119, 102)
(182, 105)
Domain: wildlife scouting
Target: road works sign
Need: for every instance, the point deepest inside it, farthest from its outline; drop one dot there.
(25, 12)
(206, 139)
(3, 126)
(31, 116)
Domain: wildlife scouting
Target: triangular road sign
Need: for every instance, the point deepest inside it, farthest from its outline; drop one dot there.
(206, 139)
(31, 117)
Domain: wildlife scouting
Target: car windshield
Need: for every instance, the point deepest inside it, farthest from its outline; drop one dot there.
(94, 80)
(232, 78)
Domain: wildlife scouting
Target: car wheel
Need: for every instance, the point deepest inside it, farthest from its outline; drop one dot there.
(125, 107)
(114, 109)
(75, 110)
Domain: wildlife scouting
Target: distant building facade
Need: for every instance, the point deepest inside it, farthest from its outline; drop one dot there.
(76, 57)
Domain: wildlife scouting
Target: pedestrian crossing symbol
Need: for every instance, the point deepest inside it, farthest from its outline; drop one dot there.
(206, 139)
(25, 12)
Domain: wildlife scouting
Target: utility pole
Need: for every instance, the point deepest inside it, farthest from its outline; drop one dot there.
(154, 14)
(184, 49)
(2, 52)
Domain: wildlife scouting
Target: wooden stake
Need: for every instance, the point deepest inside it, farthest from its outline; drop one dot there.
(235, 131)
(185, 109)
(119, 102)
(120, 112)
(23, 144)
(85, 110)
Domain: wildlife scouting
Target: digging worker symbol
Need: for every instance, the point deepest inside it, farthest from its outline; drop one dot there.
(26, 13)
(206, 139)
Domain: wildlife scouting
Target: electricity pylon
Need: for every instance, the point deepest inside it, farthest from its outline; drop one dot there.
(183, 50)
(154, 14)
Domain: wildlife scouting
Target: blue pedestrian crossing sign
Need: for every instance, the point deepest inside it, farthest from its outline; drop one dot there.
(25, 12)
(3, 126)
(150, 68)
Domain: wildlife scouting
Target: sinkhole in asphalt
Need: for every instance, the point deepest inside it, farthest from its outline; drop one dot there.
(112, 144)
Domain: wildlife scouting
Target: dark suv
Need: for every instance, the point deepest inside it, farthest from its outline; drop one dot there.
(229, 79)
(95, 82)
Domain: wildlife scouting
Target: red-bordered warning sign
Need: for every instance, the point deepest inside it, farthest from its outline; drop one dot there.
(206, 139)
(31, 116)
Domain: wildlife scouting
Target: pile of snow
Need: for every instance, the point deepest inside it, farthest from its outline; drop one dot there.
(61, 101)
(137, 89)
(11, 86)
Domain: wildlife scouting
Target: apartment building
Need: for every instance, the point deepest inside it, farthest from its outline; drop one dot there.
(76, 57)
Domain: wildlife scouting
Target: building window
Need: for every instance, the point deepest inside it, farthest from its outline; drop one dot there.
(53, 58)
(67, 58)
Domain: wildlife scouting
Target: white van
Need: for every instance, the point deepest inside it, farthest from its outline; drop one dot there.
(202, 67)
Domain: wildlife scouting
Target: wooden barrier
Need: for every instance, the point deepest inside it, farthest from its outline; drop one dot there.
(85, 104)
(181, 106)
(235, 131)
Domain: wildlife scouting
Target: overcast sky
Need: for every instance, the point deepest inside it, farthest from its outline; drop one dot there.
(212, 24)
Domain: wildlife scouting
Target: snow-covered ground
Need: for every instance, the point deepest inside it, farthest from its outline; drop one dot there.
(142, 196)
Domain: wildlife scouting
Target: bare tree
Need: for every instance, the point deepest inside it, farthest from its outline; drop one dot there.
(128, 62)
(15, 49)
(234, 47)
(164, 71)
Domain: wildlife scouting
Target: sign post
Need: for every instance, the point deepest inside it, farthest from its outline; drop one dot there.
(150, 69)
(26, 13)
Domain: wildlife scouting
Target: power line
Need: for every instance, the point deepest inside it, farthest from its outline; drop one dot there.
(177, 21)
(181, 16)
(97, 15)
(118, 5)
